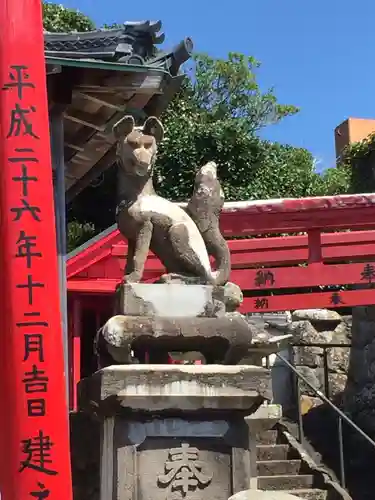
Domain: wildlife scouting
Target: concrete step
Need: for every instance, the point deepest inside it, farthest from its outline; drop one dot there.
(285, 482)
(278, 467)
(272, 452)
(308, 494)
(267, 437)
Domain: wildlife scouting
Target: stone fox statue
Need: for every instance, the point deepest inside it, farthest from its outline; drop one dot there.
(204, 208)
(148, 221)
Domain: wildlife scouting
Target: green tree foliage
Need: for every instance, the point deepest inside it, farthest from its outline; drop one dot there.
(78, 233)
(216, 116)
(227, 88)
(359, 160)
(333, 181)
(57, 18)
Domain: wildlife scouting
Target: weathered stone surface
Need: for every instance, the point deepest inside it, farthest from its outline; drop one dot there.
(299, 329)
(183, 297)
(265, 344)
(348, 321)
(361, 366)
(316, 316)
(308, 356)
(342, 333)
(363, 332)
(169, 457)
(323, 328)
(304, 333)
(166, 299)
(313, 377)
(181, 387)
(263, 495)
(359, 396)
(232, 296)
(222, 340)
(181, 239)
(264, 418)
(337, 383)
(338, 359)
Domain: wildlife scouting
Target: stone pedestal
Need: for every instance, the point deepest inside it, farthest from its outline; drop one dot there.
(176, 432)
(156, 319)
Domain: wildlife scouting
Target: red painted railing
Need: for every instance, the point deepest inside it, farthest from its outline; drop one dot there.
(278, 272)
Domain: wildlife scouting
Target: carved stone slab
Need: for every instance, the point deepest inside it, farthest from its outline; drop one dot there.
(154, 388)
(174, 458)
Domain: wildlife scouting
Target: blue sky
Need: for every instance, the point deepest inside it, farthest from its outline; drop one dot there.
(317, 55)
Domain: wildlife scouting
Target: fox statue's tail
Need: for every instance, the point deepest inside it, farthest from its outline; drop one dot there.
(204, 208)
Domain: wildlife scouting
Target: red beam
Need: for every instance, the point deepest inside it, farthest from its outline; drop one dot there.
(248, 252)
(262, 303)
(328, 239)
(282, 252)
(254, 279)
(299, 277)
(323, 300)
(302, 214)
(34, 437)
(99, 285)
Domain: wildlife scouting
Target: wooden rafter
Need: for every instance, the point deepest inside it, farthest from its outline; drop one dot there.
(75, 147)
(86, 119)
(101, 166)
(119, 88)
(92, 121)
(110, 101)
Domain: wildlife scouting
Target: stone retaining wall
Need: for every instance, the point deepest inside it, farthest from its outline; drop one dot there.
(320, 326)
(359, 399)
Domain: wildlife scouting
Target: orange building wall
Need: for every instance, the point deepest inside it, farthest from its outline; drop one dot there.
(352, 130)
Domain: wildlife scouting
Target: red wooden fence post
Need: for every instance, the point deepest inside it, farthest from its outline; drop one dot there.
(315, 246)
(34, 438)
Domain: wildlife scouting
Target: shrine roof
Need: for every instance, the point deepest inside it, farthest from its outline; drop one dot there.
(133, 43)
(100, 76)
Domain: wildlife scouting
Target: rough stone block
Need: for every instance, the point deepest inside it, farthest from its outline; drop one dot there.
(338, 359)
(314, 377)
(154, 388)
(225, 340)
(316, 316)
(264, 418)
(170, 299)
(337, 383)
(309, 356)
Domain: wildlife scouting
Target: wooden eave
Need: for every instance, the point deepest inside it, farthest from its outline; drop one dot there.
(94, 95)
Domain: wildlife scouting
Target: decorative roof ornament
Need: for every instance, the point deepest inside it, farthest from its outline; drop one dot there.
(134, 43)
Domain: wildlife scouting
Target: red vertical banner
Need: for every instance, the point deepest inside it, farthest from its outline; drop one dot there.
(34, 435)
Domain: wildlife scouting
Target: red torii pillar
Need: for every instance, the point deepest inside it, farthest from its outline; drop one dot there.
(34, 436)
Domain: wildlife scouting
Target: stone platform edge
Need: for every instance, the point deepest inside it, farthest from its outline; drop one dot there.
(175, 387)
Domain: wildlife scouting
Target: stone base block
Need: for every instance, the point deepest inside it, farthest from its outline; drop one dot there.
(224, 340)
(176, 299)
(174, 458)
(157, 388)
